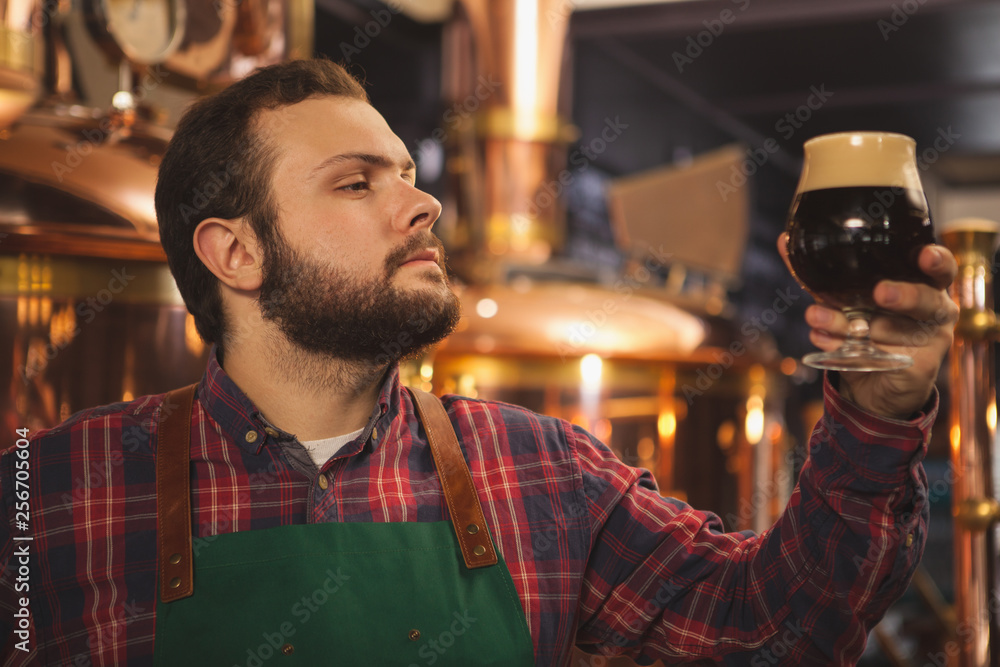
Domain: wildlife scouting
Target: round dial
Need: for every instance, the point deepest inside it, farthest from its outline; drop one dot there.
(144, 31)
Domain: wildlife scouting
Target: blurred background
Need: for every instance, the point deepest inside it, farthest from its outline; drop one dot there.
(614, 177)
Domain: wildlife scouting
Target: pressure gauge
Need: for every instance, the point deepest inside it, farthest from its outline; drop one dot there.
(145, 32)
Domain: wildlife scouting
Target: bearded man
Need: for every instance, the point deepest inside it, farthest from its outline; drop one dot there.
(299, 506)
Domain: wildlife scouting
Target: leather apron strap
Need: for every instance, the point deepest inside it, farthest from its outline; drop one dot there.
(173, 490)
(463, 502)
(173, 495)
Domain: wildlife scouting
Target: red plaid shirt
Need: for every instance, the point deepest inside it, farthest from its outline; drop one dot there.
(598, 557)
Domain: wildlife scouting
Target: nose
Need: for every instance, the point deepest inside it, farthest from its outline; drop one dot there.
(420, 212)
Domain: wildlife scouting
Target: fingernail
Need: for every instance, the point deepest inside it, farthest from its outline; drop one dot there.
(890, 296)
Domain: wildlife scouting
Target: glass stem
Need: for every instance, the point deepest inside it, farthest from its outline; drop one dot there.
(858, 330)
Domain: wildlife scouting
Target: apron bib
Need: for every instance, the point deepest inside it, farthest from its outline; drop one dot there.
(393, 594)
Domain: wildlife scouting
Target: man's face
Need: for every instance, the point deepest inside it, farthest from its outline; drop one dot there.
(356, 273)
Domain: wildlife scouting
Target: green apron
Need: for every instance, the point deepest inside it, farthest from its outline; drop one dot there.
(380, 594)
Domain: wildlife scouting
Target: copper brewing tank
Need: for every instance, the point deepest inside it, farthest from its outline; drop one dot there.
(619, 357)
(21, 57)
(90, 312)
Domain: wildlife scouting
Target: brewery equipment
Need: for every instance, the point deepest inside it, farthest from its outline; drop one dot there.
(973, 433)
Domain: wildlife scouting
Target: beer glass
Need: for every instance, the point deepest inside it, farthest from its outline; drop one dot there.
(859, 216)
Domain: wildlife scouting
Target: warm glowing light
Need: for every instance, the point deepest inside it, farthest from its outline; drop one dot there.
(467, 386)
(956, 437)
(591, 366)
(486, 308)
(854, 223)
(789, 366)
(602, 430)
(192, 339)
(754, 427)
(525, 58)
(726, 435)
(666, 425)
(485, 343)
(645, 448)
(426, 372)
(991, 415)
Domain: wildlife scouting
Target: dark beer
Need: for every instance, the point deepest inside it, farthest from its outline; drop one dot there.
(842, 241)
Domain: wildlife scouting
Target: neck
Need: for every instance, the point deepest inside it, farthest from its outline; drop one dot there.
(310, 395)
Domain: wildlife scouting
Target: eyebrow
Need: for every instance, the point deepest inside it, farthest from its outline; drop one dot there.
(368, 158)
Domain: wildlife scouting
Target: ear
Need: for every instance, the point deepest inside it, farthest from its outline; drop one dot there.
(230, 251)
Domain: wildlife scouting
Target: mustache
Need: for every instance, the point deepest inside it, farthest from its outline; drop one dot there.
(420, 241)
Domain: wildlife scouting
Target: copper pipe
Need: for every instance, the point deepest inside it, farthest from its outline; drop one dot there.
(503, 67)
(973, 427)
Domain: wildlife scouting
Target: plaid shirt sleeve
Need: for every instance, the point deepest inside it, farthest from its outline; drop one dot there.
(664, 581)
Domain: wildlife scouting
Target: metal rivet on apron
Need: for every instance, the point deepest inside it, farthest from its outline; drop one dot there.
(251, 437)
(472, 529)
(909, 539)
(323, 483)
(414, 635)
(274, 434)
(374, 434)
(288, 649)
(176, 558)
(175, 582)
(479, 550)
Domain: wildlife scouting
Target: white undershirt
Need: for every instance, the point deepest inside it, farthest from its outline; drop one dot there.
(320, 451)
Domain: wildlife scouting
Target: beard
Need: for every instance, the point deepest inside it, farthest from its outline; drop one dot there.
(322, 310)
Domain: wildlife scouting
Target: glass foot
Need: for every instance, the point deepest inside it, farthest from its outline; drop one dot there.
(857, 360)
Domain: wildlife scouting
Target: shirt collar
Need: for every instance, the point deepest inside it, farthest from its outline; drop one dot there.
(243, 422)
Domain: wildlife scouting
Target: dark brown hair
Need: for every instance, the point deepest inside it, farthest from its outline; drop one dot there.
(219, 165)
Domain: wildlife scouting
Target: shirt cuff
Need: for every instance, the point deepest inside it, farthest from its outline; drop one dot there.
(880, 450)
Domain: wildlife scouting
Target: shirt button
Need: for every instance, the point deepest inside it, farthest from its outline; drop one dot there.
(323, 483)
(909, 539)
(251, 437)
(374, 434)
(271, 432)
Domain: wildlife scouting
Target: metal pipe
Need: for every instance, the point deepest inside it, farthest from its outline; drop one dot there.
(973, 428)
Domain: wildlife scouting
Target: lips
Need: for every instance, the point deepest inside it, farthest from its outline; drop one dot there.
(425, 255)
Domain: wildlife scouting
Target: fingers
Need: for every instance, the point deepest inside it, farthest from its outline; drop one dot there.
(938, 263)
(919, 302)
(829, 327)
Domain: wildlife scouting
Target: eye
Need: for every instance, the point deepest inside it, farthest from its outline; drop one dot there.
(358, 186)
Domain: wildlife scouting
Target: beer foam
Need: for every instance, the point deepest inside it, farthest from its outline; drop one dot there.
(859, 159)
